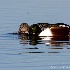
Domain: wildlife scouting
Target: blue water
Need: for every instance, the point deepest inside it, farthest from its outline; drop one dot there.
(17, 54)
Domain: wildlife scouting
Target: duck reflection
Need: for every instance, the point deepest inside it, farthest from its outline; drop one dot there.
(24, 39)
(34, 40)
(31, 40)
(48, 41)
(56, 41)
(52, 43)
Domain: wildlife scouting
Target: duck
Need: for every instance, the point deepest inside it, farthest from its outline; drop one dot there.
(58, 29)
(42, 29)
(23, 29)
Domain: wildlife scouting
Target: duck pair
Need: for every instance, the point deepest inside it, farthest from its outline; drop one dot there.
(59, 29)
(31, 30)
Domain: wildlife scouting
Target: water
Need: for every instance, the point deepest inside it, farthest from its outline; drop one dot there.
(29, 54)
(22, 52)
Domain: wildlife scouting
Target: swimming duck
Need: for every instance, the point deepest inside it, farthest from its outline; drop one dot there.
(30, 30)
(36, 29)
(24, 28)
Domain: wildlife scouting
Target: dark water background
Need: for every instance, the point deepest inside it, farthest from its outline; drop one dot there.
(32, 54)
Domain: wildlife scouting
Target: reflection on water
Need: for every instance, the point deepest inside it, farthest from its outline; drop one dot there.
(35, 40)
(52, 42)
(34, 52)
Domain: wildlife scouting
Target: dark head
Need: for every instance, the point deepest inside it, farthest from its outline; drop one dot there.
(34, 29)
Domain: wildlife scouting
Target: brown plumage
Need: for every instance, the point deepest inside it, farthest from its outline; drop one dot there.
(24, 28)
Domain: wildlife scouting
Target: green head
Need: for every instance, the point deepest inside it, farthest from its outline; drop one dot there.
(34, 29)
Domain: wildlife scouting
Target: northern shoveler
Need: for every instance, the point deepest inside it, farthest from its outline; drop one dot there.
(59, 29)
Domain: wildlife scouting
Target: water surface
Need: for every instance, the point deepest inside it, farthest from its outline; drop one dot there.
(24, 53)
